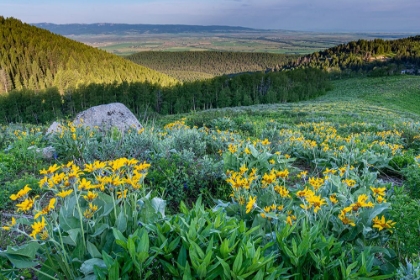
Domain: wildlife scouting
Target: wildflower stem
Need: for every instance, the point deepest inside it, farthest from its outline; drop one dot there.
(79, 210)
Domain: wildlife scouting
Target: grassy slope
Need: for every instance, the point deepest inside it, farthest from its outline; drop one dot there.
(383, 99)
(400, 93)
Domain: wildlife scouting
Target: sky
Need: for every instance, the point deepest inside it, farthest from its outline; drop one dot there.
(306, 15)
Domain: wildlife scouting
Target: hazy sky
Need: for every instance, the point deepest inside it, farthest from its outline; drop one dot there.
(308, 15)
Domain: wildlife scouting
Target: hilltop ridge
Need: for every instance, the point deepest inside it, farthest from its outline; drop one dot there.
(34, 58)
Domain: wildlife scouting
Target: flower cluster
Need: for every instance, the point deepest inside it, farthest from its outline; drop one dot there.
(117, 178)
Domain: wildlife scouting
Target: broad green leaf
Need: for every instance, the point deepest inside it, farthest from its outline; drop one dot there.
(100, 229)
(182, 257)
(87, 266)
(114, 271)
(121, 222)
(159, 205)
(226, 268)
(143, 245)
(93, 251)
(238, 262)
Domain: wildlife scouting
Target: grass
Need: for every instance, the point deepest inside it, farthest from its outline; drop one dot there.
(357, 107)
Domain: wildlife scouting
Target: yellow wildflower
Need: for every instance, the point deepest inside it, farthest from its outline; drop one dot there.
(84, 184)
(316, 183)
(63, 193)
(378, 191)
(10, 225)
(282, 191)
(37, 227)
(381, 223)
(345, 220)
(46, 209)
(251, 202)
(50, 170)
(21, 193)
(122, 194)
(349, 182)
(232, 148)
(316, 201)
(380, 199)
(333, 198)
(90, 196)
(265, 142)
(282, 174)
(44, 235)
(302, 174)
(26, 205)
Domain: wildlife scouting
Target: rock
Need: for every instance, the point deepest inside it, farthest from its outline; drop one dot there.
(54, 127)
(107, 116)
(104, 117)
(48, 153)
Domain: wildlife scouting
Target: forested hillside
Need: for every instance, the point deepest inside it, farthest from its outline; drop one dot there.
(45, 106)
(381, 57)
(190, 66)
(37, 59)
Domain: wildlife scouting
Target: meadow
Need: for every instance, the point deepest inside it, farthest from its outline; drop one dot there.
(270, 41)
(320, 189)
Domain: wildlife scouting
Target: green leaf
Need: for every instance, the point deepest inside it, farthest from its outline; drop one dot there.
(99, 230)
(159, 205)
(119, 238)
(107, 259)
(187, 272)
(66, 221)
(131, 246)
(105, 201)
(238, 262)
(114, 271)
(182, 257)
(121, 222)
(73, 237)
(226, 268)
(87, 266)
(144, 241)
(93, 251)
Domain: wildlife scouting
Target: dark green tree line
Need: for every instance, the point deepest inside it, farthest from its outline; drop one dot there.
(363, 56)
(190, 66)
(44, 106)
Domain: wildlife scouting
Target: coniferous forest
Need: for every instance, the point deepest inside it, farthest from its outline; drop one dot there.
(191, 65)
(241, 90)
(376, 57)
(34, 58)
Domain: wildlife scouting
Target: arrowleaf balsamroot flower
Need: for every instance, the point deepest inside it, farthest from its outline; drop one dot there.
(251, 202)
(38, 227)
(21, 193)
(26, 205)
(46, 209)
(9, 225)
(63, 193)
(381, 223)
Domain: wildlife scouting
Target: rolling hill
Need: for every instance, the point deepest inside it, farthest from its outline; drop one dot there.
(378, 57)
(34, 58)
(189, 66)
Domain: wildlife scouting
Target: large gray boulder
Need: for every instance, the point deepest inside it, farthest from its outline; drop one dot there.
(104, 117)
(107, 116)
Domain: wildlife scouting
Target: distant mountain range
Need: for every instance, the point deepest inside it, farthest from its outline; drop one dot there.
(113, 28)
